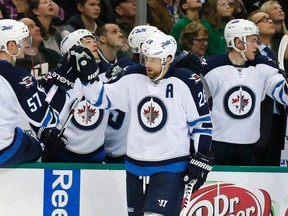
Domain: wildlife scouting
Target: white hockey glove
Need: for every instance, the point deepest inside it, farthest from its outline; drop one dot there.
(85, 63)
(198, 168)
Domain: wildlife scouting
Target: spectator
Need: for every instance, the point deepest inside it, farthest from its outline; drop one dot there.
(38, 59)
(191, 9)
(16, 9)
(111, 43)
(273, 117)
(194, 39)
(87, 18)
(125, 12)
(238, 81)
(217, 14)
(42, 13)
(160, 15)
(275, 12)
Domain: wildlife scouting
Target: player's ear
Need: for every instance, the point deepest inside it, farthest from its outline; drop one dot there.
(102, 39)
(168, 59)
(238, 44)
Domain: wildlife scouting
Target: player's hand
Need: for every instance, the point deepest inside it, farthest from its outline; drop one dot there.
(52, 142)
(198, 168)
(85, 62)
(64, 74)
(191, 62)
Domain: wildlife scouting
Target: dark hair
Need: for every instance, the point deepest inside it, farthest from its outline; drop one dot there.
(82, 2)
(101, 30)
(34, 4)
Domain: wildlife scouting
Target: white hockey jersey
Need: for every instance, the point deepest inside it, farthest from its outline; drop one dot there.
(86, 130)
(164, 116)
(237, 94)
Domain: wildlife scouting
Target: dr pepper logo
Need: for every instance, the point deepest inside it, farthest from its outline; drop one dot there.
(229, 200)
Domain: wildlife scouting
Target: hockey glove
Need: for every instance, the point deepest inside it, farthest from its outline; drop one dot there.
(64, 74)
(191, 62)
(52, 142)
(85, 63)
(198, 168)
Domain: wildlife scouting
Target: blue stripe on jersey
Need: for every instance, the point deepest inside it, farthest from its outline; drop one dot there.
(203, 119)
(202, 131)
(150, 170)
(15, 146)
(99, 102)
(280, 92)
(47, 119)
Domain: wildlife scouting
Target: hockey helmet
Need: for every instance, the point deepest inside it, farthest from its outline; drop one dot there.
(74, 38)
(12, 30)
(138, 35)
(159, 45)
(239, 28)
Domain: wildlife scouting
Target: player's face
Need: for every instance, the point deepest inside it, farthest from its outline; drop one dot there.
(252, 43)
(91, 44)
(153, 66)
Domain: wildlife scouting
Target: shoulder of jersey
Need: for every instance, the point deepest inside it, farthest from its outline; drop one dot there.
(211, 62)
(261, 59)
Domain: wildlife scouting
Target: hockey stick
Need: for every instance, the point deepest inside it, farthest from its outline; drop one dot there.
(187, 196)
(71, 113)
(282, 50)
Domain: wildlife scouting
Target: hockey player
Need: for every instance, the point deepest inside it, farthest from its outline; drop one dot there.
(167, 108)
(239, 81)
(118, 123)
(86, 129)
(21, 97)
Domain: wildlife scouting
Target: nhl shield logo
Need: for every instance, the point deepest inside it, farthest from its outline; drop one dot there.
(87, 116)
(152, 114)
(239, 102)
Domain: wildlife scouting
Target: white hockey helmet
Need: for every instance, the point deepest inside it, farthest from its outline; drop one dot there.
(138, 35)
(239, 28)
(74, 38)
(159, 45)
(12, 30)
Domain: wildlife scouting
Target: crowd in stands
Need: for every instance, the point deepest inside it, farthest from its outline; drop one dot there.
(197, 26)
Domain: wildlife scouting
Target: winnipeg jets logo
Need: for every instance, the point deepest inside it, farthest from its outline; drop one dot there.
(239, 102)
(152, 114)
(86, 116)
(27, 81)
(86, 113)
(195, 77)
